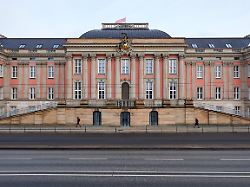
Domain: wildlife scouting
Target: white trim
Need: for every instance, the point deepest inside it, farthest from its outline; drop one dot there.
(101, 69)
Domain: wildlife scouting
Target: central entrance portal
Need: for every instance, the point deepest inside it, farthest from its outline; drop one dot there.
(125, 90)
(125, 119)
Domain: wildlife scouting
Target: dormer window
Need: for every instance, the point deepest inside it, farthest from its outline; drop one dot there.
(194, 46)
(211, 45)
(22, 46)
(1, 45)
(228, 45)
(249, 45)
(55, 46)
(39, 46)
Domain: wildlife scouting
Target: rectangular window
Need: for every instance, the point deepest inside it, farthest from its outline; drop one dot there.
(125, 66)
(13, 93)
(1, 93)
(236, 93)
(199, 93)
(199, 72)
(248, 69)
(172, 66)
(249, 93)
(1, 70)
(218, 93)
(51, 72)
(55, 46)
(32, 71)
(237, 110)
(78, 90)
(236, 71)
(101, 66)
(218, 72)
(32, 94)
(50, 93)
(22, 46)
(149, 66)
(14, 72)
(78, 66)
(101, 90)
(149, 90)
(172, 90)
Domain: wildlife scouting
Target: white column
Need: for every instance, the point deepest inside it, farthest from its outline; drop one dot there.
(193, 80)
(133, 75)
(109, 78)
(141, 84)
(165, 78)
(117, 79)
(224, 73)
(85, 77)
(93, 77)
(181, 75)
(157, 78)
(231, 65)
(69, 78)
(207, 81)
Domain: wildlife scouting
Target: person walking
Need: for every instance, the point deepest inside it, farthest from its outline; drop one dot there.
(78, 122)
(196, 124)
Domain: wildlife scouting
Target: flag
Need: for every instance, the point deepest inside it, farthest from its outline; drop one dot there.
(123, 20)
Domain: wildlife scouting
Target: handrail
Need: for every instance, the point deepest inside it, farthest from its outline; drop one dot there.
(29, 109)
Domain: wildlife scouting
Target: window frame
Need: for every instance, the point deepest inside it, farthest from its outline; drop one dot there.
(32, 72)
(248, 70)
(149, 66)
(172, 66)
(50, 93)
(78, 66)
(236, 72)
(32, 93)
(101, 89)
(101, 69)
(14, 93)
(149, 90)
(218, 92)
(51, 72)
(199, 93)
(237, 110)
(172, 90)
(78, 90)
(125, 66)
(199, 72)
(1, 93)
(1, 70)
(236, 93)
(14, 72)
(218, 71)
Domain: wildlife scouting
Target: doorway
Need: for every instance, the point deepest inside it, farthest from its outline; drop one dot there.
(125, 119)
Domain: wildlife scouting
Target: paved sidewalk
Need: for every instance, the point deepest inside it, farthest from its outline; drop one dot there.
(142, 129)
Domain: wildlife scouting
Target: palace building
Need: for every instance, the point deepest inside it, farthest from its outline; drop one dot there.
(125, 74)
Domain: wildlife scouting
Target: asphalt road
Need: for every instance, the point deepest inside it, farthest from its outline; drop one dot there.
(125, 140)
(132, 168)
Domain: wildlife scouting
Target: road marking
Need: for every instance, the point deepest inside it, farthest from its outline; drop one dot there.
(88, 158)
(125, 175)
(15, 158)
(234, 159)
(164, 159)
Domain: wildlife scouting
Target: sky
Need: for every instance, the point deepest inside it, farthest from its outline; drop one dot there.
(71, 18)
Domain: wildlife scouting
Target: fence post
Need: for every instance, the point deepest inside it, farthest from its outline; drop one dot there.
(248, 128)
(233, 129)
(85, 129)
(176, 128)
(202, 128)
(146, 129)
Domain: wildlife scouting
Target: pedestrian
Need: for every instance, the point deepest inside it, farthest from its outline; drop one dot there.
(196, 124)
(78, 122)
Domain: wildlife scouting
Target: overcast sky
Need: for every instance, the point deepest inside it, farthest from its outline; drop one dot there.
(71, 18)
